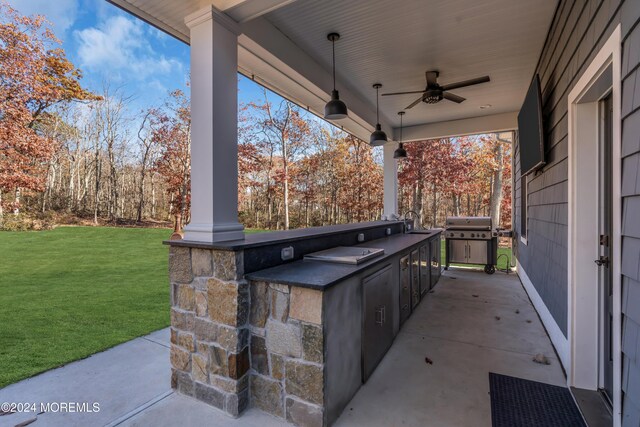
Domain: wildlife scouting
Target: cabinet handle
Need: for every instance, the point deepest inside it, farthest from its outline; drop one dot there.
(381, 315)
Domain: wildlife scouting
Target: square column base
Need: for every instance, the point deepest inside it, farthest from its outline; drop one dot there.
(210, 233)
(209, 327)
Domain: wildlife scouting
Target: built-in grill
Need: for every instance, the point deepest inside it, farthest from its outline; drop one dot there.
(471, 240)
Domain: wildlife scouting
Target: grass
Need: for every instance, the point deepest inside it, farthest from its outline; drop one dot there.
(74, 291)
(502, 260)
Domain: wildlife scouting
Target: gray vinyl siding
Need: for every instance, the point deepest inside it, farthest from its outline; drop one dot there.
(578, 31)
(630, 19)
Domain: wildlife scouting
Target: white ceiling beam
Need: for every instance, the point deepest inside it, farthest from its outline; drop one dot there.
(472, 126)
(252, 9)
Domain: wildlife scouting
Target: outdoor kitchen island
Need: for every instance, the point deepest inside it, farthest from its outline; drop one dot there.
(295, 338)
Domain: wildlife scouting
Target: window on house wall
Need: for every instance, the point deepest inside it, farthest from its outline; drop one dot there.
(523, 207)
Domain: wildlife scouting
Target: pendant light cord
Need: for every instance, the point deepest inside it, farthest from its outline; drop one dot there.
(377, 108)
(401, 128)
(333, 48)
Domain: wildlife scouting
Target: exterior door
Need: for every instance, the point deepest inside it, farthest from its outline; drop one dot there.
(604, 260)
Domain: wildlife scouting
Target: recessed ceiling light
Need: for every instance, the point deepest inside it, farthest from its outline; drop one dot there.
(485, 106)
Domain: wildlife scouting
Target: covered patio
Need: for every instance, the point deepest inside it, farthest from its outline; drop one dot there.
(254, 325)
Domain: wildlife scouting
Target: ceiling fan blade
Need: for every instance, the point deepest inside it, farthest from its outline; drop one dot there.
(466, 83)
(401, 93)
(452, 97)
(414, 103)
(432, 78)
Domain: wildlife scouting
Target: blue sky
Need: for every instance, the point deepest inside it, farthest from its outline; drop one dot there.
(110, 45)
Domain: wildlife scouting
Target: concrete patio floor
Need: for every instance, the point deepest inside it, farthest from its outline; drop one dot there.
(457, 328)
(470, 325)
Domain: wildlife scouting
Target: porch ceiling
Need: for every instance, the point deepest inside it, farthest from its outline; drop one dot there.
(284, 45)
(395, 42)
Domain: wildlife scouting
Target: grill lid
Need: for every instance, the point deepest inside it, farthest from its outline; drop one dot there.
(468, 223)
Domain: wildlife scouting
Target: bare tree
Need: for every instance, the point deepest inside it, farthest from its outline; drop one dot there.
(146, 150)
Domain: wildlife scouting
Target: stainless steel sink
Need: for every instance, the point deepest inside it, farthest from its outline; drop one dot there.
(345, 254)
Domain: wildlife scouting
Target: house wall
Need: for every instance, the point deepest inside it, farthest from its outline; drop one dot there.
(578, 31)
(630, 23)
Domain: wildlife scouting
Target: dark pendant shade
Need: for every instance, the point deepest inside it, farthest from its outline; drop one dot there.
(378, 137)
(400, 152)
(335, 109)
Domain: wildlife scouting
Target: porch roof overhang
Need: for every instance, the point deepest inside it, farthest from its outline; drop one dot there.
(283, 47)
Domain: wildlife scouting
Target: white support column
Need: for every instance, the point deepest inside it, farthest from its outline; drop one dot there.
(390, 188)
(214, 127)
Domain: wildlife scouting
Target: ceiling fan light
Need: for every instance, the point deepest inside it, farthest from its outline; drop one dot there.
(335, 109)
(400, 152)
(378, 137)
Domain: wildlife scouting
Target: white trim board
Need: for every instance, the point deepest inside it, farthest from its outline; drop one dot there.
(559, 341)
(582, 276)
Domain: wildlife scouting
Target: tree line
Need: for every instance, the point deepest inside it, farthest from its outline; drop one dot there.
(463, 176)
(66, 152)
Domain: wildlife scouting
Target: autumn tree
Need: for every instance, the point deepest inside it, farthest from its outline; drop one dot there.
(35, 75)
(360, 181)
(148, 151)
(171, 131)
(282, 132)
(438, 166)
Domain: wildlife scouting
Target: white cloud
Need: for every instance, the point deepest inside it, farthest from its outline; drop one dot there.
(119, 46)
(61, 13)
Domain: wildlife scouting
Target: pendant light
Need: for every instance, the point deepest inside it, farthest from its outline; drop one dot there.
(378, 137)
(400, 152)
(335, 109)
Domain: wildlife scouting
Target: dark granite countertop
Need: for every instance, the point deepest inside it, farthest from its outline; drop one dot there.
(322, 275)
(273, 237)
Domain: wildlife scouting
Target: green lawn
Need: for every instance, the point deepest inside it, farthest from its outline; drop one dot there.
(502, 261)
(73, 291)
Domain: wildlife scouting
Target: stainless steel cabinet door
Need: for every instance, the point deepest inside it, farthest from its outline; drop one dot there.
(436, 261)
(476, 251)
(425, 275)
(378, 308)
(415, 279)
(458, 250)
(405, 289)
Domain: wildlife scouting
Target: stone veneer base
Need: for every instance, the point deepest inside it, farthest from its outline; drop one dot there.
(236, 344)
(209, 329)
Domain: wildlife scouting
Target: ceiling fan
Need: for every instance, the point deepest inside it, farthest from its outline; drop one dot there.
(434, 92)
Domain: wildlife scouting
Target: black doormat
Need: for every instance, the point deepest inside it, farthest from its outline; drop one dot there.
(522, 403)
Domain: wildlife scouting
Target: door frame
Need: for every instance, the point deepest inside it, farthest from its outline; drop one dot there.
(602, 76)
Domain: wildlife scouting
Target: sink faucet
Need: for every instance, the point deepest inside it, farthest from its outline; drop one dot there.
(405, 220)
